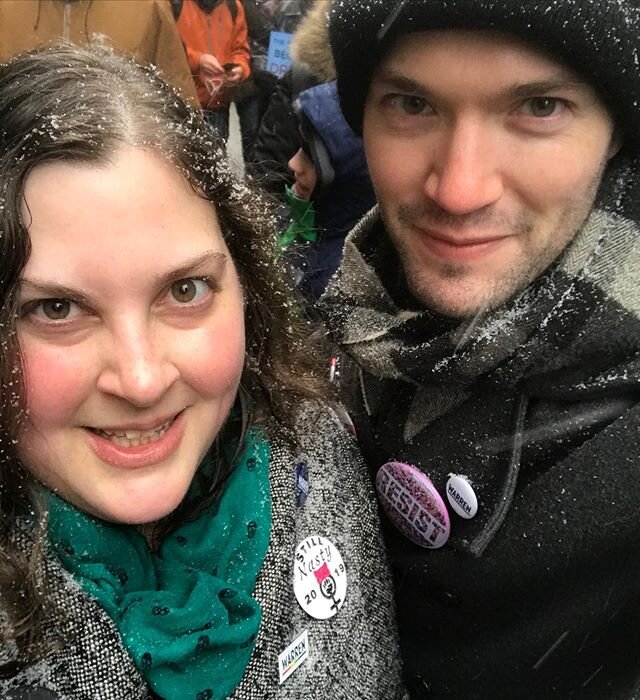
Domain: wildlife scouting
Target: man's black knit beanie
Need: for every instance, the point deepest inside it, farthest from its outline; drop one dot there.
(599, 39)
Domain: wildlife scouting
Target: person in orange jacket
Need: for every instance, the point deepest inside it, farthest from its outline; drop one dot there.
(215, 37)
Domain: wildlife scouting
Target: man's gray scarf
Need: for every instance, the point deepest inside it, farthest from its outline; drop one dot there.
(571, 336)
(577, 318)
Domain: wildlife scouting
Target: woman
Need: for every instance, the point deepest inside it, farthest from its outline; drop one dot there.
(174, 496)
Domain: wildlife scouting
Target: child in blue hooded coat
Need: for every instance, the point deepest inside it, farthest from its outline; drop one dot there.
(332, 188)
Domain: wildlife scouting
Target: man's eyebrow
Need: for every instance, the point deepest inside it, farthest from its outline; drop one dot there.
(535, 88)
(400, 82)
(194, 266)
(541, 88)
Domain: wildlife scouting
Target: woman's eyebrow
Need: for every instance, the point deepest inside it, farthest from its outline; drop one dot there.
(199, 265)
(54, 290)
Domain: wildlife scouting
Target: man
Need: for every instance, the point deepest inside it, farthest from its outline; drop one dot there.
(492, 308)
(214, 34)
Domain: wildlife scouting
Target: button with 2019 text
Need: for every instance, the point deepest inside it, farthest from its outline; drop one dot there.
(320, 577)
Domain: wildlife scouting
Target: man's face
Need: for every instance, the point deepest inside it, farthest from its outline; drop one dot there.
(486, 157)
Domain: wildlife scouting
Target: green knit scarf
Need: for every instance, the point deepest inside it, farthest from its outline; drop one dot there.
(185, 613)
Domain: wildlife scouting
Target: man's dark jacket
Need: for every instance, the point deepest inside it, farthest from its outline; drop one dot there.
(538, 404)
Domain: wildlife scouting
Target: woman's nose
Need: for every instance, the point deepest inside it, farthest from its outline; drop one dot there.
(139, 368)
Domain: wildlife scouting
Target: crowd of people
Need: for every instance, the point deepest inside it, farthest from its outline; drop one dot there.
(361, 424)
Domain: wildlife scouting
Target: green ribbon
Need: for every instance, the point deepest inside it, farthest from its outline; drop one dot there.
(185, 614)
(303, 221)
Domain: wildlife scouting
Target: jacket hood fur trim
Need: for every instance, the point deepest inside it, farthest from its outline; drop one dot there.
(310, 43)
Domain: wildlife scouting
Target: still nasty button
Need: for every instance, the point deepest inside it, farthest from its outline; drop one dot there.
(320, 577)
(461, 496)
(413, 504)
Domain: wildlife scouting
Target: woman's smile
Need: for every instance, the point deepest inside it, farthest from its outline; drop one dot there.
(133, 437)
(137, 448)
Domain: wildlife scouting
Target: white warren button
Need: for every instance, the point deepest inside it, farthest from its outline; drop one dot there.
(461, 496)
(319, 578)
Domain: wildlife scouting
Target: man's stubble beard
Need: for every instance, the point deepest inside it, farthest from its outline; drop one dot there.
(509, 282)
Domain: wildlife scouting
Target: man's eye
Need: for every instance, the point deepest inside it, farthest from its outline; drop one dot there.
(410, 104)
(541, 107)
(189, 290)
(55, 309)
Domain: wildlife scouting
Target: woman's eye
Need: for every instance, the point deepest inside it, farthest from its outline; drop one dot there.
(410, 104)
(541, 107)
(55, 309)
(189, 290)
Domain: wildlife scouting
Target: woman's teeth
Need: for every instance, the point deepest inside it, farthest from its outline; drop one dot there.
(135, 438)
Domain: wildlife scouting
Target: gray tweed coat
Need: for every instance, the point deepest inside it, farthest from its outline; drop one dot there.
(352, 655)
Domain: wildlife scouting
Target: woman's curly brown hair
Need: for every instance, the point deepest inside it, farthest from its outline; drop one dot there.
(74, 104)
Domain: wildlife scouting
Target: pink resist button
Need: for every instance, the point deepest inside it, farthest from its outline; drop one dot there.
(413, 504)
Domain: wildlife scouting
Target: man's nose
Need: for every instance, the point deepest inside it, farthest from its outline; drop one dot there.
(466, 172)
(138, 366)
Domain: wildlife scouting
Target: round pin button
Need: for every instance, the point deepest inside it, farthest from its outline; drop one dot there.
(461, 496)
(320, 577)
(413, 504)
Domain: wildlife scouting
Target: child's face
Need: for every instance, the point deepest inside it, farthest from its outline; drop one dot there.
(305, 174)
(132, 334)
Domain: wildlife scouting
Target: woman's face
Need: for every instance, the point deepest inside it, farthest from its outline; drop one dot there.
(132, 334)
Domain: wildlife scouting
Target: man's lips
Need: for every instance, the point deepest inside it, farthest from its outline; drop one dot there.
(460, 247)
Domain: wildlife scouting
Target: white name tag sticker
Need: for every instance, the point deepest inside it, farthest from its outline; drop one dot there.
(293, 656)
